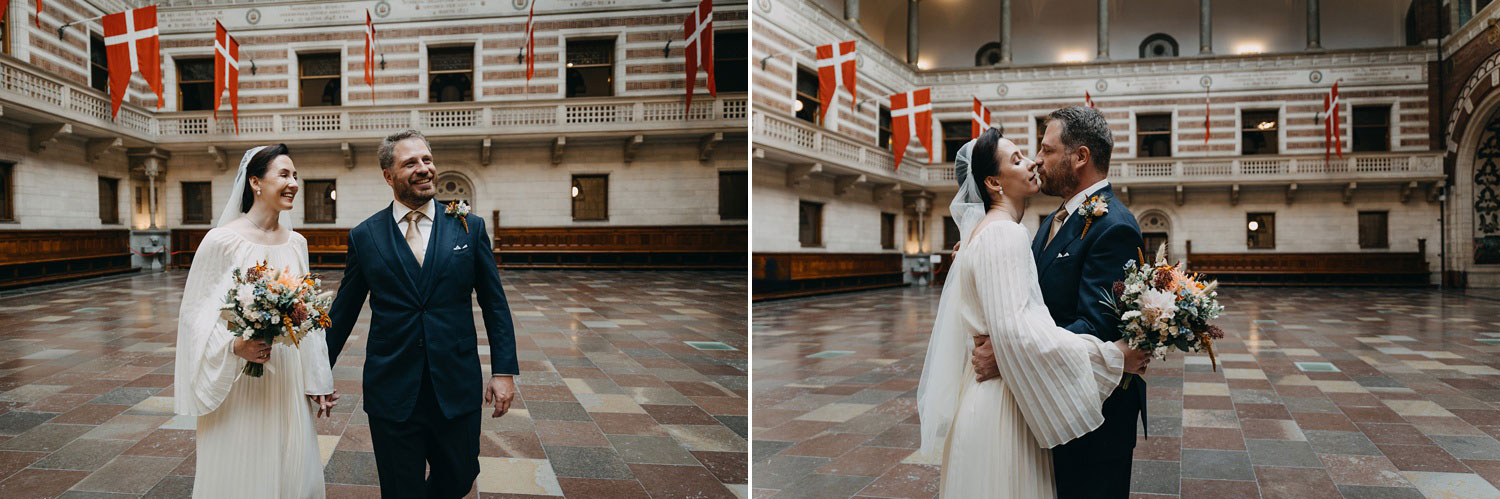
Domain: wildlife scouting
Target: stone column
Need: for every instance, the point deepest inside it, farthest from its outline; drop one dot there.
(1103, 30)
(911, 31)
(153, 164)
(851, 12)
(1005, 32)
(1205, 28)
(1313, 24)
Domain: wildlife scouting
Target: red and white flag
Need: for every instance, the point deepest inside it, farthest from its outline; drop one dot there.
(530, 42)
(698, 31)
(226, 71)
(1332, 136)
(1206, 129)
(979, 120)
(370, 54)
(911, 114)
(1088, 99)
(131, 42)
(834, 69)
(38, 17)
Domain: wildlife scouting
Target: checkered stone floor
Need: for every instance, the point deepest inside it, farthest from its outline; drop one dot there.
(1318, 393)
(614, 401)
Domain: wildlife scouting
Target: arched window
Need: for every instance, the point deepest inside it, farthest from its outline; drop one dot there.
(1158, 46)
(988, 55)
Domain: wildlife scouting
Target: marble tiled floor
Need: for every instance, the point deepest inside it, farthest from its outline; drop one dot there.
(1318, 393)
(613, 401)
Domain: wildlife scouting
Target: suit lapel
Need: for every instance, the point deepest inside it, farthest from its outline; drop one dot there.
(437, 252)
(1072, 230)
(393, 248)
(1041, 235)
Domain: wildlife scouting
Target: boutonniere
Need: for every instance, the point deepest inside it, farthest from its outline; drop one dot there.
(1094, 208)
(459, 210)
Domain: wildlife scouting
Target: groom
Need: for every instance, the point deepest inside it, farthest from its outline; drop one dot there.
(1077, 268)
(422, 382)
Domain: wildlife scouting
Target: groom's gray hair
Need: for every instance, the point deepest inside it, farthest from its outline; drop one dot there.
(387, 152)
(1085, 126)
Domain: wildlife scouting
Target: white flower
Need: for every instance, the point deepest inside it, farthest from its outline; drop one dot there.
(1134, 288)
(1127, 316)
(245, 293)
(1099, 210)
(1157, 305)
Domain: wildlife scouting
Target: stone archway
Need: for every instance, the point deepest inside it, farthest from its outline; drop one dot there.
(1156, 229)
(1471, 250)
(455, 186)
(1485, 189)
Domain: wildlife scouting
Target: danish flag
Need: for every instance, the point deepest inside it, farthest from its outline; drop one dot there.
(698, 30)
(38, 17)
(911, 114)
(530, 42)
(835, 69)
(1206, 129)
(979, 121)
(131, 42)
(227, 71)
(370, 54)
(1088, 99)
(1332, 136)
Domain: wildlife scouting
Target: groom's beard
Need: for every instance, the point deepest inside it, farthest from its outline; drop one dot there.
(1058, 181)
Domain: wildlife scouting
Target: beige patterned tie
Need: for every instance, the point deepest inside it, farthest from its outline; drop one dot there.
(413, 236)
(1057, 222)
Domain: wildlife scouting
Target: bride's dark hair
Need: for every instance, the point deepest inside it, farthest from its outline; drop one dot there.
(257, 168)
(983, 164)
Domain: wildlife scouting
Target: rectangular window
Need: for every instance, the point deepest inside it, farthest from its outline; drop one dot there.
(109, 200)
(318, 80)
(7, 192)
(590, 197)
(320, 201)
(1372, 128)
(1372, 229)
(1258, 131)
(888, 230)
(99, 64)
(450, 74)
(195, 84)
(807, 104)
(1153, 135)
(591, 68)
(734, 202)
(810, 224)
(731, 61)
(196, 202)
(1261, 230)
(885, 128)
(955, 134)
(950, 233)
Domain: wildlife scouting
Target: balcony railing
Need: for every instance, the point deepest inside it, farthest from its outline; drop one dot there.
(816, 144)
(592, 116)
(1269, 169)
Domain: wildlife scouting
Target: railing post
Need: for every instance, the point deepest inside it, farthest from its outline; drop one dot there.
(638, 113)
(66, 97)
(718, 111)
(344, 121)
(1234, 167)
(416, 120)
(487, 116)
(276, 124)
(1293, 166)
(562, 114)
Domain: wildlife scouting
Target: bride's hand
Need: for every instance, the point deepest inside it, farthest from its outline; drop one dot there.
(256, 351)
(325, 403)
(1135, 360)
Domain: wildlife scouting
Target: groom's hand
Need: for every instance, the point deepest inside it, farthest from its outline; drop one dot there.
(501, 390)
(984, 359)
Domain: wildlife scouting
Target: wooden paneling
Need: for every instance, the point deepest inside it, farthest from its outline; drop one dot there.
(1373, 269)
(38, 256)
(326, 248)
(782, 275)
(682, 247)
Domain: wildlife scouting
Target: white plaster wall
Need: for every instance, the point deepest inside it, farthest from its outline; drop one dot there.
(57, 188)
(851, 223)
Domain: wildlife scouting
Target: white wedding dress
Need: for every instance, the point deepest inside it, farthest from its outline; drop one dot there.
(256, 437)
(995, 437)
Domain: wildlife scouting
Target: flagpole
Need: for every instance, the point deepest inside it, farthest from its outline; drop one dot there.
(65, 25)
(763, 60)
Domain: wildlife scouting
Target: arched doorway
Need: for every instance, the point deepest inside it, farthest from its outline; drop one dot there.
(1156, 230)
(1486, 193)
(454, 186)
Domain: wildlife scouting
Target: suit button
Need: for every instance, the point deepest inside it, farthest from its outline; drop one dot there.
(419, 343)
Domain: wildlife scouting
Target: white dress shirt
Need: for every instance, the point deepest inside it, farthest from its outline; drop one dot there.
(424, 227)
(1077, 199)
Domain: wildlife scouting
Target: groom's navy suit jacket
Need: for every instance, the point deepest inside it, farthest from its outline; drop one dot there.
(1077, 270)
(422, 316)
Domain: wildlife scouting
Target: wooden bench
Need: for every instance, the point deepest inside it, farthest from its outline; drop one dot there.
(39, 256)
(326, 248)
(616, 247)
(785, 275)
(1314, 269)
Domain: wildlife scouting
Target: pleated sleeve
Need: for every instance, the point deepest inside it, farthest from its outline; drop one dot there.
(314, 347)
(206, 365)
(1059, 379)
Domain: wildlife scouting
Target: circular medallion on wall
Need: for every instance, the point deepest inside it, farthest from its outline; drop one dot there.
(764, 6)
(1315, 76)
(382, 9)
(1101, 85)
(519, 4)
(1002, 89)
(252, 16)
(1206, 81)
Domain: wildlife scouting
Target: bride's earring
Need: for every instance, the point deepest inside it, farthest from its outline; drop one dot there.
(257, 191)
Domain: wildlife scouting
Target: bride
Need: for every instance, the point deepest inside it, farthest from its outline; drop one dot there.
(995, 436)
(255, 434)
